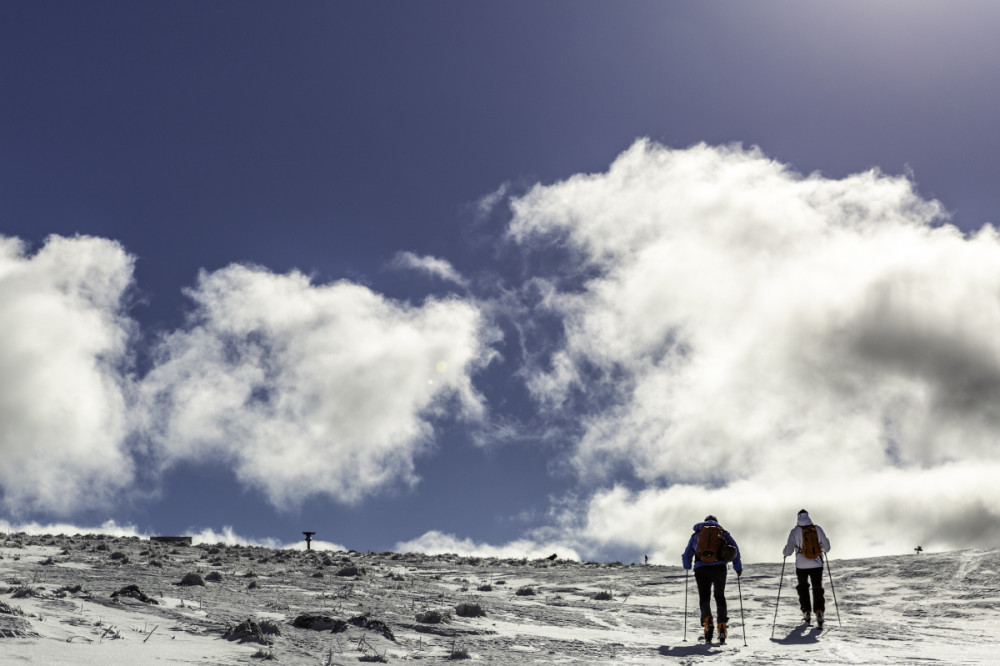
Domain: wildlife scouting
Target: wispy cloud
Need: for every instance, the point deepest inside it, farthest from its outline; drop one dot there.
(311, 389)
(487, 204)
(433, 266)
(229, 537)
(758, 340)
(438, 543)
(199, 535)
(109, 528)
(64, 390)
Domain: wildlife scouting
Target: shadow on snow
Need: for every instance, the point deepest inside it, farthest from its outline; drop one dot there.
(800, 635)
(688, 650)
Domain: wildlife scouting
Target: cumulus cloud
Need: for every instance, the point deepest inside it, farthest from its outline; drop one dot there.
(311, 389)
(883, 512)
(433, 266)
(64, 394)
(531, 547)
(742, 337)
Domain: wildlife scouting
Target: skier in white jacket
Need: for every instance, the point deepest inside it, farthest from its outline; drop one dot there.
(808, 569)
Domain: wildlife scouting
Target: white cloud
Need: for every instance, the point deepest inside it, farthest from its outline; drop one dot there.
(317, 544)
(877, 513)
(883, 512)
(109, 528)
(434, 266)
(487, 204)
(205, 535)
(63, 397)
(312, 389)
(438, 543)
(229, 537)
(760, 340)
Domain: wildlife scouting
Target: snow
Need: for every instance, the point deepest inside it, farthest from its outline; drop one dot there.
(892, 610)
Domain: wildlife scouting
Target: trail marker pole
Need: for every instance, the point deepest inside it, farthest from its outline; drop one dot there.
(309, 536)
(832, 589)
(780, 581)
(743, 622)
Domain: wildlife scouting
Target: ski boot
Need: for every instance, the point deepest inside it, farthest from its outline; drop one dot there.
(819, 619)
(723, 632)
(807, 617)
(709, 628)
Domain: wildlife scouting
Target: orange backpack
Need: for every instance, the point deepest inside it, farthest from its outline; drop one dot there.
(710, 542)
(810, 542)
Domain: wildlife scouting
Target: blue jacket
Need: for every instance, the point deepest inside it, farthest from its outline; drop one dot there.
(690, 551)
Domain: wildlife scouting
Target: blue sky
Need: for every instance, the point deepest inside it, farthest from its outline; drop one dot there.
(512, 277)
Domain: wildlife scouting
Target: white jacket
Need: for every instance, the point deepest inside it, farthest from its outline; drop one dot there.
(794, 544)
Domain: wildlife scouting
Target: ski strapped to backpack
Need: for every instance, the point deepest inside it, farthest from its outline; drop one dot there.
(810, 542)
(712, 545)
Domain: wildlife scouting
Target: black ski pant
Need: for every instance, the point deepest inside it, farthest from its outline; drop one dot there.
(812, 575)
(707, 577)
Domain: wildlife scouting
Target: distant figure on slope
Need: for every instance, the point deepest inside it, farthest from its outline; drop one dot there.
(712, 548)
(809, 542)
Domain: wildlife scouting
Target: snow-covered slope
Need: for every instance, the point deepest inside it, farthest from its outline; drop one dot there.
(58, 609)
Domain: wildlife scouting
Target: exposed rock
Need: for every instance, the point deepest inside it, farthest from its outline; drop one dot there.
(319, 623)
(134, 592)
(372, 624)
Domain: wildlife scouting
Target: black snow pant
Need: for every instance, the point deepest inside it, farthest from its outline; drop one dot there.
(815, 576)
(707, 577)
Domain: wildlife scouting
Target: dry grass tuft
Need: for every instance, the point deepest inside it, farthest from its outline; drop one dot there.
(10, 610)
(252, 632)
(432, 617)
(192, 579)
(470, 610)
(458, 653)
(264, 655)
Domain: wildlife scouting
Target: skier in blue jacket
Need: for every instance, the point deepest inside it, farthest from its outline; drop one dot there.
(710, 571)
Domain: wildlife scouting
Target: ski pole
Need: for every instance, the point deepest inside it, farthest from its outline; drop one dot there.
(743, 622)
(780, 581)
(832, 589)
(686, 572)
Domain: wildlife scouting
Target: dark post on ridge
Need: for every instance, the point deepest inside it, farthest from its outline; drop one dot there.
(309, 536)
